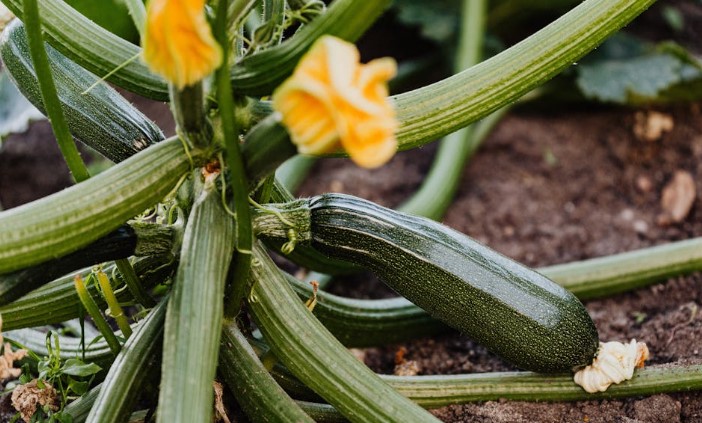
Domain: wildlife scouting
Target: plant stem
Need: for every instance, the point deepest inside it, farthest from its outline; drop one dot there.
(442, 390)
(133, 283)
(190, 345)
(96, 315)
(441, 182)
(138, 13)
(130, 370)
(58, 301)
(115, 309)
(450, 104)
(257, 393)
(188, 107)
(235, 165)
(61, 223)
(435, 110)
(316, 357)
(48, 93)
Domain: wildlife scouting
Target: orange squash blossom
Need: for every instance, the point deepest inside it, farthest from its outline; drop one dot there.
(333, 101)
(178, 43)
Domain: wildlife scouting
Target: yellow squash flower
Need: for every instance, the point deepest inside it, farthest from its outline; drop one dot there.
(178, 43)
(333, 101)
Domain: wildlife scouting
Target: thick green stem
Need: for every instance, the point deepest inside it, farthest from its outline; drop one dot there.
(256, 391)
(58, 301)
(441, 182)
(433, 111)
(52, 105)
(316, 357)
(130, 369)
(190, 344)
(442, 390)
(441, 108)
(62, 223)
(188, 107)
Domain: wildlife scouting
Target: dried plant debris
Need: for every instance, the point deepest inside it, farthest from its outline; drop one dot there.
(8, 358)
(651, 126)
(28, 397)
(219, 408)
(404, 367)
(677, 198)
(615, 363)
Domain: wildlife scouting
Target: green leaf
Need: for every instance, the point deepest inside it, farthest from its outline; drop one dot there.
(628, 70)
(437, 20)
(77, 387)
(618, 80)
(76, 367)
(15, 111)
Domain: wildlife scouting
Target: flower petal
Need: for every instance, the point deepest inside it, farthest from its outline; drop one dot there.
(178, 43)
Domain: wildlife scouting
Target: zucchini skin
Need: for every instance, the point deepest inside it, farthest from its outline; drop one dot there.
(118, 244)
(100, 118)
(518, 314)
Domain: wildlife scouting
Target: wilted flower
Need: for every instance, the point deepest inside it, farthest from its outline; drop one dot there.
(615, 363)
(178, 43)
(332, 100)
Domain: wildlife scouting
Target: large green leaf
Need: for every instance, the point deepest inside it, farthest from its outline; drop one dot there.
(626, 70)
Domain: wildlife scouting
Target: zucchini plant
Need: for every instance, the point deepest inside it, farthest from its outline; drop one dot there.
(183, 226)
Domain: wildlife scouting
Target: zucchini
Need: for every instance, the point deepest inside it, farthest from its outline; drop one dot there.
(515, 312)
(100, 117)
(137, 238)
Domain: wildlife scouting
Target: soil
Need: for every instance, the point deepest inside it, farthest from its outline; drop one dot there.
(546, 187)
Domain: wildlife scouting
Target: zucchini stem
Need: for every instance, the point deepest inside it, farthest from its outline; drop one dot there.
(96, 315)
(48, 92)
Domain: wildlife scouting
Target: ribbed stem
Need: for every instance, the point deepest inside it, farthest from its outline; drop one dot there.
(316, 357)
(441, 182)
(58, 301)
(188, 107)
(257, 393)
(61, 223)
(129, 371)
(441, 108)
(433, 111)
(195, 309)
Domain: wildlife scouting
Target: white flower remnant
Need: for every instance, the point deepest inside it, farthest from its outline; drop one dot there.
(615, 362)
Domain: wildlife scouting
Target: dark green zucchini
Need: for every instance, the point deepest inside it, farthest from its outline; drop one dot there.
(137, 238)
(517, 313)
(100, 117)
